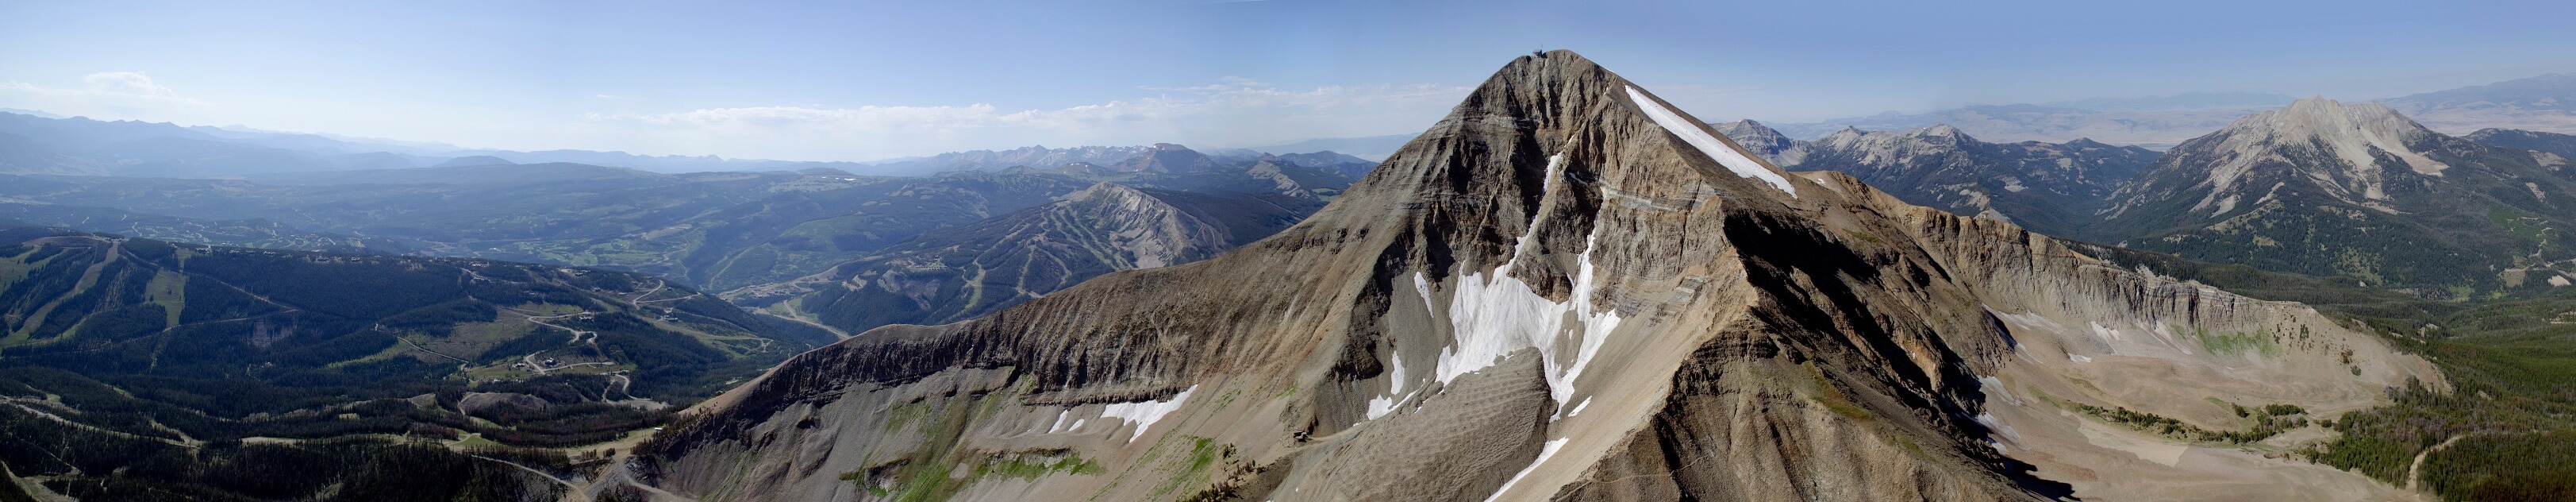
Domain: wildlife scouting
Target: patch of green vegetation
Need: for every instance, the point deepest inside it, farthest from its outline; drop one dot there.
(1831, 397)
(1196, 467)
(932, 471)
(2268, 421)
(1035, 464)
(169, 289)
(2237, 343)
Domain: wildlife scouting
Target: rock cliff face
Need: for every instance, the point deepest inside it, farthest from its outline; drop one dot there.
(1565, 290)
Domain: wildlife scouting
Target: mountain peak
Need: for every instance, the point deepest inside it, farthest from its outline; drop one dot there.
(1759, 139)
(2351, 132)
(1940, 132)
(2313, 138)
(1556, 114)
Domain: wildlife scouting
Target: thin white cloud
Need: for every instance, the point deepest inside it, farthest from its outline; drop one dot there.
(1231, 112)
(115, 94)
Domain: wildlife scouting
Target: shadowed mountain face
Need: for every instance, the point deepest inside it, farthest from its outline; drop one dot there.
(2052, 188)
(1565, 290)
(2359, 191)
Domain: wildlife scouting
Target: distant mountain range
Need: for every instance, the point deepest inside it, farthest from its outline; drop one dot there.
(2048, 187)
(40, 143)
(2544, 103)
(1366, 147)
(2317, 187)
(720, 230)
(1157, 158)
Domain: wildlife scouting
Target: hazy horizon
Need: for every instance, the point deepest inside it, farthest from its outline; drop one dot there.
(861, 83)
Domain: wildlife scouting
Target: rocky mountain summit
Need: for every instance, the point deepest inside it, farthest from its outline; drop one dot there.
(2052, 188)
(1566, 290)
(2326, 188)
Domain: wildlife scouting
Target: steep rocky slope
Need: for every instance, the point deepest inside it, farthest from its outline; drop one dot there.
(2325, 188)
(1565, 290)
(2051, 188)
(973, 270)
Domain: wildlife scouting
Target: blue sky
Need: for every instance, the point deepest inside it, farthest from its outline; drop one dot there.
(883, 79)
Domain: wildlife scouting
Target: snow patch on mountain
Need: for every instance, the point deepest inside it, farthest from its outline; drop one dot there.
(1145, 413)
(1698, 137)
(1493, 314)
(1544, 452)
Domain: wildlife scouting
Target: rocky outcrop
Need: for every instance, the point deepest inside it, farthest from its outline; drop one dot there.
(1565, 290)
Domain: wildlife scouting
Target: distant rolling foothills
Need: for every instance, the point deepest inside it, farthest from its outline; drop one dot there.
(118, 352)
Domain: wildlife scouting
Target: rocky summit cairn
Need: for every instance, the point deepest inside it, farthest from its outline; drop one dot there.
(1567, 289)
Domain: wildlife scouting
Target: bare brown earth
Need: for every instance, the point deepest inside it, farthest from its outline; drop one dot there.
(1551, 295)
